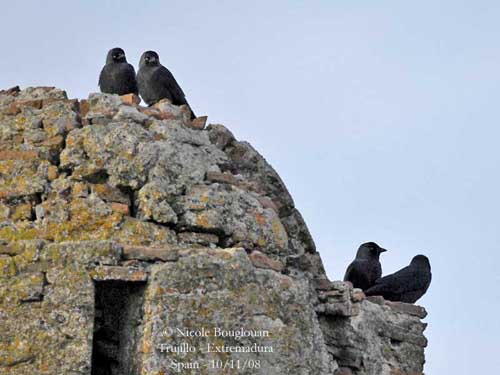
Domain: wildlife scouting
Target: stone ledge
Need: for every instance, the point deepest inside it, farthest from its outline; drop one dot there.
(130, 99)
(261, 260)
(198, 123)
(226, 178)
(19, 155)
(107, 273)
(166, 254)
(12, 91)
(402, 334)
(400, 307)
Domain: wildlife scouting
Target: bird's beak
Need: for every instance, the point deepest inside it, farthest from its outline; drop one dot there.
(121, 56)
(382, 250)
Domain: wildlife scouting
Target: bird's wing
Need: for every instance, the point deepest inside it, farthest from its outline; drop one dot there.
(358, 274)
(164, 76)
(99, 83)
(349, 273)
(131, 78)
(405, 280)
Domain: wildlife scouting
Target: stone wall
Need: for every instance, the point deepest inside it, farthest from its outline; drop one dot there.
(120, 223)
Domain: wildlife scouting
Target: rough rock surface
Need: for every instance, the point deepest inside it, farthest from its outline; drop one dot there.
(121, 225)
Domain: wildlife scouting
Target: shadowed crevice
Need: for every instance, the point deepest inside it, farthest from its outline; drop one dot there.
(117, 327)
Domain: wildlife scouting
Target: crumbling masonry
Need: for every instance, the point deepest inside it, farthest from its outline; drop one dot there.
(119, 224)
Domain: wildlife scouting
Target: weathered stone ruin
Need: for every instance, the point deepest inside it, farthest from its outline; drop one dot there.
(136, 241)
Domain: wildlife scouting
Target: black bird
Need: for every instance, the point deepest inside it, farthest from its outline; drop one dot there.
(155, 82)
(406, 285)
(366, 268)
(117, 76)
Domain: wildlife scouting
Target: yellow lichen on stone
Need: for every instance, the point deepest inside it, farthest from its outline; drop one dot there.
(261, 242)
(279, 232)
(203, 221)
(85, 223)
(22, 231)
(4, 211)
(7, 266)
(80, 189)
(28, 255)
(6, 166)
(146, 343)
(22, 211)
(52, 173)
(16, 351)
(137, 232)
(20, 120)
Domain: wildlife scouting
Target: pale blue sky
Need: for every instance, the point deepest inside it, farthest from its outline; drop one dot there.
(381, 117)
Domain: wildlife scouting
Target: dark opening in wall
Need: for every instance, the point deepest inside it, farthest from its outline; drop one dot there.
(117, 327)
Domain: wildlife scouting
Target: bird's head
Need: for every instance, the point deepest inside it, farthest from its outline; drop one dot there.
(116, 55)
(421, 261)
(369, 250)
(149, 58)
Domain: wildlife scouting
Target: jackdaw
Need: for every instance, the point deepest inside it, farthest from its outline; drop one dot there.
(406, 285)
(366, 268)
(117, 76)
(155, 82)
